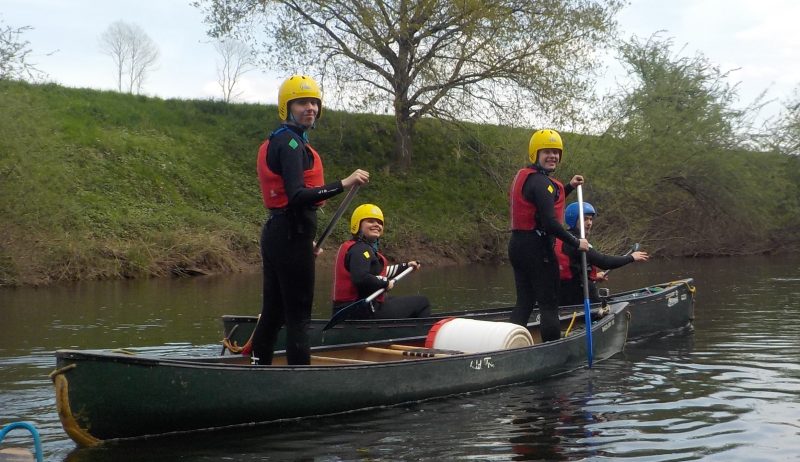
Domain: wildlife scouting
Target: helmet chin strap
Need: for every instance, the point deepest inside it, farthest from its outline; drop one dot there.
(291, 119)
(305, 127)
(542, 169)
(374, 244)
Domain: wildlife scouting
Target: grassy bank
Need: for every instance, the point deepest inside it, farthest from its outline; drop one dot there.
(98, 185)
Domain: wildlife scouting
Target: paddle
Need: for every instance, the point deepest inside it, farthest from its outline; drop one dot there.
(346, 311)
(336, 215)
(587, 310)
(247, 347)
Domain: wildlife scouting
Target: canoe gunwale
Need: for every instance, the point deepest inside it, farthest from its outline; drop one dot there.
(218, 362)
(238, 328)
(615, 297)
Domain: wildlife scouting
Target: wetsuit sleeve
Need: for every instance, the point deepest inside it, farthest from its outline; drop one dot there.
(290, 163)
(394, 270)
(571, 251)
(606, 262)
(360, 257)
(536, 191)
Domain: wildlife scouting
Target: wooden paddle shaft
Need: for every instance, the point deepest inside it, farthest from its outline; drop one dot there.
(419, 354)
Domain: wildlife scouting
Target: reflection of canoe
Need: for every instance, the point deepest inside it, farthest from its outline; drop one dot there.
(103, 395)
(654, 309)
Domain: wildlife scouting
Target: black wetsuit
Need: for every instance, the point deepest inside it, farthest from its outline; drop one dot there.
(287, 251)
(571, 292)
(365, 266)
(533, 258)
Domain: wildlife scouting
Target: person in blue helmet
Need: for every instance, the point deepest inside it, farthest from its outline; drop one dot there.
(569, 259)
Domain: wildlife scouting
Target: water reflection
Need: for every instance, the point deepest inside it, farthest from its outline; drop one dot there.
(556, 426)
(728, 390)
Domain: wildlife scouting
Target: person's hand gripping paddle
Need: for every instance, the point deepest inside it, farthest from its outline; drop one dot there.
(344, 312)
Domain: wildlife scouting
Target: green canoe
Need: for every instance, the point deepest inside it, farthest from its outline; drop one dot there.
(103, 395)
(655, 309)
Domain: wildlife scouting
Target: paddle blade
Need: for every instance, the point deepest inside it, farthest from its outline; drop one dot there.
(343, 314)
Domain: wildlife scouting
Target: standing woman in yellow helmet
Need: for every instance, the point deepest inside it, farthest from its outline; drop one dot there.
(293, 187)
(361, 269)
(537, 211)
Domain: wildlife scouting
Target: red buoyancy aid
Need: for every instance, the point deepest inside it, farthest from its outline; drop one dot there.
(564, 268)
(344, 290)
(523, 213)
(272, 188)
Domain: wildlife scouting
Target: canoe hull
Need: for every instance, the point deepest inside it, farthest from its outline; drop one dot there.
(654, 310)
(103, 395)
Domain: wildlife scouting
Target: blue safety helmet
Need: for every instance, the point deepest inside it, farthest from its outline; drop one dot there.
(571, 214)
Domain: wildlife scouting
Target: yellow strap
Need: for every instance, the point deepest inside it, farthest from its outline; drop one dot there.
(63, 370)
(569, 328)
(691, 288)
(78, 434)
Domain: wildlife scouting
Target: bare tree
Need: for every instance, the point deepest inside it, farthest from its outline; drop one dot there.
(235, 60)
(114, 42)
(14, 54)
(143, 54)
(449, 59)
(133, 52)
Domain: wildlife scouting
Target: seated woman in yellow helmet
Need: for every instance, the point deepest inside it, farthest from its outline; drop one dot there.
(361, 270)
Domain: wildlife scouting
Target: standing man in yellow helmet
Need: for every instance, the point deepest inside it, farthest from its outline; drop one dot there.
(361, 269)
(292, 187)
(537, 211)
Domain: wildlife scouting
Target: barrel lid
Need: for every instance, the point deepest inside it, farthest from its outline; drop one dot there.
(431, 338)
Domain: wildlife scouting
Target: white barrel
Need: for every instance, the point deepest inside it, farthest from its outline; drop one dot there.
(473, 336)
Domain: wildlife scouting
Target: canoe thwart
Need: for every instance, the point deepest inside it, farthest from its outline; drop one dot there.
(321, 360)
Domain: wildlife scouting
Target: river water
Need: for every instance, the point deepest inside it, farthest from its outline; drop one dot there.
(728, 390)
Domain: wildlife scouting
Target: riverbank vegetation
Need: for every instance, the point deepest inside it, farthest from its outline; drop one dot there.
(99, 185)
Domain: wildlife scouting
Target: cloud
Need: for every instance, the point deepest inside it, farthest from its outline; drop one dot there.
(757, 38)
(758, 41)
(261, 88)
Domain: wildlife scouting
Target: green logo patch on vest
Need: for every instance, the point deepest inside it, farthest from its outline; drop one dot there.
(293, 144)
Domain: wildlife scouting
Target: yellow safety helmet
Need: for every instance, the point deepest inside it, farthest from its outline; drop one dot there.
(544, 139)
(296, 87)
(362, 212)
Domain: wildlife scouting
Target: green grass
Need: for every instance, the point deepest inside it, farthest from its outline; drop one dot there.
(101, 185)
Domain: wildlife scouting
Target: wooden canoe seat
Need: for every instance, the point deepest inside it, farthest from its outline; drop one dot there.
(322, 360)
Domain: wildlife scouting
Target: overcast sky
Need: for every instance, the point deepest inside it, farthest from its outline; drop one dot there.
(760, 39)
